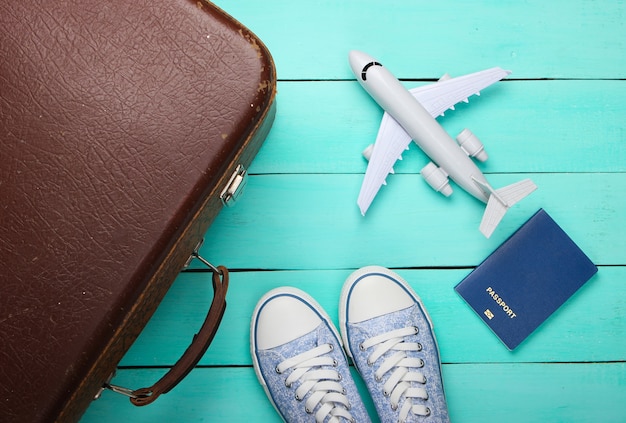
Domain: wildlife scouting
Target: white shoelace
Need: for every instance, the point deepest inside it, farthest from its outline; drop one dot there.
(315, 370)
(399, 383)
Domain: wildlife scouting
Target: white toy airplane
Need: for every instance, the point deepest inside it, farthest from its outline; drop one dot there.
(410, 114)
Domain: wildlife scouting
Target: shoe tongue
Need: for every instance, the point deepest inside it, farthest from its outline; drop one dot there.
(388, 322)
(304, 343)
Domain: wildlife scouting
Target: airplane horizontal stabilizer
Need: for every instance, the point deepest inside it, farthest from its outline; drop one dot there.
(499, 202)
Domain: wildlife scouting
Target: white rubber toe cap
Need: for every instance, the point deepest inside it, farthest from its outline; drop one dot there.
(282, 316)
(374, 291)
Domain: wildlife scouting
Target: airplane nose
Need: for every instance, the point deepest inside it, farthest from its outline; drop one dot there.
(358, 60)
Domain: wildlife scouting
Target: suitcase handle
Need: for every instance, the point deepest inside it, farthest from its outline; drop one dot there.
(198, 347)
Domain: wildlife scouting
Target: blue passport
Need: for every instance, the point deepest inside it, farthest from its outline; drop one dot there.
(526, 279)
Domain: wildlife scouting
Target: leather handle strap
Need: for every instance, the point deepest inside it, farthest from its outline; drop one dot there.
(196, 350)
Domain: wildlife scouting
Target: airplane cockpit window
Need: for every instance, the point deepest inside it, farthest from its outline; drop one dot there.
(366, 67)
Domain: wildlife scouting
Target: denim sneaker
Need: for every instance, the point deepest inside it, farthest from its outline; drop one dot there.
(390, 338)
(298, 358)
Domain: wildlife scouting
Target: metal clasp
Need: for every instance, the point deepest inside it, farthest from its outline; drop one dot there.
(195, 254)
(121, 390)
(115, 388)
(235, 186)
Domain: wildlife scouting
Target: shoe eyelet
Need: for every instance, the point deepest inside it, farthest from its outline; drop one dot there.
(335, 363)
(427, 411)
(361, 347)
(419, 346)
(394, 407)
(339, 377)
(416, 329)
(287, 385)
(297, 397)
(278, 370)
(378, 378)
(308, 410)
(331, 347)
(386, 394)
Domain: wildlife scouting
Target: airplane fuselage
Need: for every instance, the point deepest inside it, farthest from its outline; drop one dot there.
(425, 131)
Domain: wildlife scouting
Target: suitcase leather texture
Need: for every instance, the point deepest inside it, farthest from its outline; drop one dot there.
(121, 122)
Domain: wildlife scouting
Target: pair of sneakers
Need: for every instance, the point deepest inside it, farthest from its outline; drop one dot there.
(299, 360)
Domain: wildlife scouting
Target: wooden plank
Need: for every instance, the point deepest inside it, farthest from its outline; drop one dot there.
(312, 222)
(476, 393)
(538, 39)
(536, 392)
(578, 128)
(590, 327)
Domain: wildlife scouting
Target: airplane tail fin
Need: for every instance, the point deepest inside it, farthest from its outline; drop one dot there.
(500, 201)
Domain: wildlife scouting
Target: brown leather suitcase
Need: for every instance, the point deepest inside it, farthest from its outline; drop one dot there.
(122, 125)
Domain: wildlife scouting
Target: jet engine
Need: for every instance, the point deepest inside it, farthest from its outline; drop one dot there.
(437, 178)
(444, 77)
(472, 145)
(367, 153)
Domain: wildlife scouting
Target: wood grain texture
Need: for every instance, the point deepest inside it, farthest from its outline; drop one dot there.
(558, 119)
(324, 126)
(537, 39)
(575, 393)
(462, 337)
(312, 221)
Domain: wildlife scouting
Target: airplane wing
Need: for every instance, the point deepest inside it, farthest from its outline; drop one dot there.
(391, 141)
(443, 95)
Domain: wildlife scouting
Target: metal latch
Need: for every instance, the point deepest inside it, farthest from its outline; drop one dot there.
(195, 254)
(235, 186)
(117, 389)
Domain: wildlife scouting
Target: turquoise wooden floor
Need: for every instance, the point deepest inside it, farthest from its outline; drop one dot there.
(560, 119)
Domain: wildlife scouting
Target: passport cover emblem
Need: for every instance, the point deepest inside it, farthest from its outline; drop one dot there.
(526, 279)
